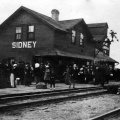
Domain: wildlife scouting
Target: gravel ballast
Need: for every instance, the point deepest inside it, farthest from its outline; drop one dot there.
(81, 109)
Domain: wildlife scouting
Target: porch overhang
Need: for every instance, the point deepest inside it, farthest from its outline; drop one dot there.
(61, 53)
(55, 52)
(105, 58)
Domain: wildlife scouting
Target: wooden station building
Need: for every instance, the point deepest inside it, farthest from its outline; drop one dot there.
(32, 37)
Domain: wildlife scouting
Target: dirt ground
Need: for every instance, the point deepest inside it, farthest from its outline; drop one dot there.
(80, 109)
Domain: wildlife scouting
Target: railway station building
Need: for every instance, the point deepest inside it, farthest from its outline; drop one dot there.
(32, 37)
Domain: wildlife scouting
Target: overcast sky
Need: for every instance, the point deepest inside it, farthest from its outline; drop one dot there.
(92, 11)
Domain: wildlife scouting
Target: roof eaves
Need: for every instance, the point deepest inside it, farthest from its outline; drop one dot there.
(10, 16)
(104, 57)
(97, 25)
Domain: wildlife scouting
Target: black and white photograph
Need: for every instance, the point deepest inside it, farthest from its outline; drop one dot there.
(59, 59)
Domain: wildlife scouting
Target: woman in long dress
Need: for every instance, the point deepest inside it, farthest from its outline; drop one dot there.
(47, 75)
(12, 76)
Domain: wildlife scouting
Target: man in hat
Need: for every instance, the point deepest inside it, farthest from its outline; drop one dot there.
(42, 69)
(37, 72)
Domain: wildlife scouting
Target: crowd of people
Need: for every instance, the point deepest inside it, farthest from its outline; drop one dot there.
(97, 74)
(25, 73)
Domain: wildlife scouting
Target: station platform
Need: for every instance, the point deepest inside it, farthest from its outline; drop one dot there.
(59, 86)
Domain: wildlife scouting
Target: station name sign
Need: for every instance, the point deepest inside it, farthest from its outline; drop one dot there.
(24, 44)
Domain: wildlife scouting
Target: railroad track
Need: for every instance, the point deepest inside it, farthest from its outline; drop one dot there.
(26, 99)
(23, 96)
(111, 115)
(64, 90)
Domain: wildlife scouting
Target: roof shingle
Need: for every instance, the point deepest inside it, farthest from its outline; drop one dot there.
(97, 25)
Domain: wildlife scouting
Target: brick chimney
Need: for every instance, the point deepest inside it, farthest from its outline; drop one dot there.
(55, 14)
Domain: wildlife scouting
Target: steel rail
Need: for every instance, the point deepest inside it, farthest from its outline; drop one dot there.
(108, 115)
(47, 101)
(31, 93)
(45, 94)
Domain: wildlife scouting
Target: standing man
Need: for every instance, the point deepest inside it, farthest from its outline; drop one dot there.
(74, 74)
(27, 74)
(42, 70)
(103, 74)
(81, 74)
(97, 75)
(52, 78)
(37, 72)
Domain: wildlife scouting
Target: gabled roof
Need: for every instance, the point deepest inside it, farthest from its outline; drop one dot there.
(67, 24)
(98, 30)
(59, 25)
(40, 16)
(95, 25)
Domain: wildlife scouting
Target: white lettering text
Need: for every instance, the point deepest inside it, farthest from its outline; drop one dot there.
(25, 44)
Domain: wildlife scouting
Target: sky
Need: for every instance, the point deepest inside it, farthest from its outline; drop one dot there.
(92, 11)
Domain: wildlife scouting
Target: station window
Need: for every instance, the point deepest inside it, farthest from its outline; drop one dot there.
(81, 39)
(73, 36)
(106, 42)
(18, 33)
(31, 32)
(105, 51)
(88, 63)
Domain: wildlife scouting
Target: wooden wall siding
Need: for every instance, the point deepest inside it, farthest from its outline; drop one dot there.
(23, 18)
(44, 36)
(63, 41)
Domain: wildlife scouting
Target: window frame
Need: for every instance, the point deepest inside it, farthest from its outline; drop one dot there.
(30, 32)
(105, 51)
(81, 39)
(18, 33)
(73, 42)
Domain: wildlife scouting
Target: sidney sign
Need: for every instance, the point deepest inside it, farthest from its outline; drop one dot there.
(25, 44)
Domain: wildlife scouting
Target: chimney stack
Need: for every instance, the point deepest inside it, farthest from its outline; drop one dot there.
(55, 14)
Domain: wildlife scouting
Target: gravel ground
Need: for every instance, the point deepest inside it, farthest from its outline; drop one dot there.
(81, 109)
